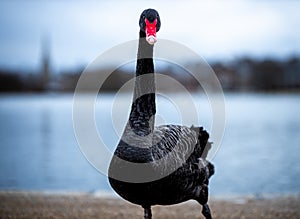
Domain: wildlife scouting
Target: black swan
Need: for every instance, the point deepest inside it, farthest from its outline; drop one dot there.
(177, 148)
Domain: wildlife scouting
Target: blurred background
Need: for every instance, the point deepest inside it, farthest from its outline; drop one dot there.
(253, 47)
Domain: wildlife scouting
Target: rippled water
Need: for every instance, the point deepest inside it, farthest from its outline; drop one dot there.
(259, 153)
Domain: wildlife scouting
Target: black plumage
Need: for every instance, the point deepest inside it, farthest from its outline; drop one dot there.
(174, 166)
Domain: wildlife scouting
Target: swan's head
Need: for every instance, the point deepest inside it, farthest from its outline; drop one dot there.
(150, 24)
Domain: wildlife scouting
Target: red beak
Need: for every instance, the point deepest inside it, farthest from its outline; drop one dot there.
(151, 31)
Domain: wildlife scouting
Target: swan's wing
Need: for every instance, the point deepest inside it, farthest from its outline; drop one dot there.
(174, 146)
(179, 140)
(185, 141)
(178, 151)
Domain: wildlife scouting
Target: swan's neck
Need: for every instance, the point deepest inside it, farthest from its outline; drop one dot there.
(143, 110)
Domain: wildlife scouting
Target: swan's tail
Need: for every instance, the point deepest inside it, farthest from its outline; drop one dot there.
(211, 169)
(203, 145)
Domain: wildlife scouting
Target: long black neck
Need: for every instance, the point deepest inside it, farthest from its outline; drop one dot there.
(143, 109)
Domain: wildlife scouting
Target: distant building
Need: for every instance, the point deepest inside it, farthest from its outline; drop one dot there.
(45, 67)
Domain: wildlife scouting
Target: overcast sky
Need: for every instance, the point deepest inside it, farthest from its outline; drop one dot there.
(79, 30)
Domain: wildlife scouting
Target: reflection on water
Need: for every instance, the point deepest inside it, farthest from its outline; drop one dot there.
(259, 153)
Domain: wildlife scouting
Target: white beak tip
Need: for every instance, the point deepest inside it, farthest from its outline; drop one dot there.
(151, 40)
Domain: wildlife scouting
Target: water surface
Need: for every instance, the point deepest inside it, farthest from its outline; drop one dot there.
(259, 153)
